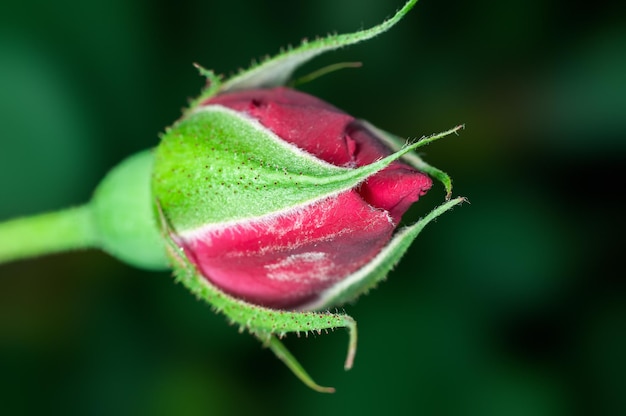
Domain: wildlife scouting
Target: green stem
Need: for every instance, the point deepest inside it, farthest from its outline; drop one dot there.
(48, 233)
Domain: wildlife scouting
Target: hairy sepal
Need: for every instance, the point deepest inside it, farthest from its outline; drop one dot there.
(377, 269)
(218, 166)
(396, 143)
(268, 325)
(278, 70)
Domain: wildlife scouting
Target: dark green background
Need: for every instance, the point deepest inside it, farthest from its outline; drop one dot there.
(511, 305)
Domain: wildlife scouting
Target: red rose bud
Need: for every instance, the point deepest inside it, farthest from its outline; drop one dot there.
(276, 196)
(335, 137)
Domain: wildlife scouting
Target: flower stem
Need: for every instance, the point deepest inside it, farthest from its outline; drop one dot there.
(47, 233)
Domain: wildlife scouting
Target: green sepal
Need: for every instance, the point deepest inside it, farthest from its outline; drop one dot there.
(278, 70)
(217, 165)
(397, 143)
(366, 278)
(282, 353)
(264, 323)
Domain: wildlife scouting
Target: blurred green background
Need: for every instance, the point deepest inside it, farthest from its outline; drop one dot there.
(514, 304)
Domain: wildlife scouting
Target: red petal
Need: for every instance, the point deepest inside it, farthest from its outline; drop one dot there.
(335, 137)
(285, 261)
(395, 189)
(301, 119)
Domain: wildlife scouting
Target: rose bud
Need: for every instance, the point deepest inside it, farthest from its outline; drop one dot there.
(275, 206)
(269, 204)
(284, 250)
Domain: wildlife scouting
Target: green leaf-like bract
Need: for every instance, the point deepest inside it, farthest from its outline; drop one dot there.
(278, 70)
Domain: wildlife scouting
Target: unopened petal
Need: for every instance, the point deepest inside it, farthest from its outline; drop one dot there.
(285, 261)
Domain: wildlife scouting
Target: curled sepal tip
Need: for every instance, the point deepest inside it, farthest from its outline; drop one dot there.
(413, 159)
(278, 70)
(283, 354)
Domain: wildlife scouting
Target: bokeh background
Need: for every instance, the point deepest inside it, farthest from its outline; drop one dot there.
(514, 304)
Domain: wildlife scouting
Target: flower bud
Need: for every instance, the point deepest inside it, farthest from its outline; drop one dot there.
(276, 196)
